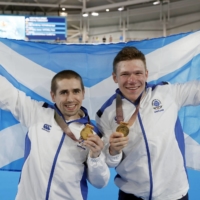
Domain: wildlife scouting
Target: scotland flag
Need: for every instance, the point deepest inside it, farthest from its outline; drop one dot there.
(30, 66)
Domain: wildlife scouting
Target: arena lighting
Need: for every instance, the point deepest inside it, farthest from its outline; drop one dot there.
(95, 14)
(107, 10)
(121, 8)
(63, 9)
(85, 15)
(156, 2)
(63, 14)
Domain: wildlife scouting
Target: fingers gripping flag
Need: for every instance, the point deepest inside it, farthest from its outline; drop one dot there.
(30, 67)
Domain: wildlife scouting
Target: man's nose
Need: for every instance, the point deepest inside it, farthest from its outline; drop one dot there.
(70, 96)
(131, 78)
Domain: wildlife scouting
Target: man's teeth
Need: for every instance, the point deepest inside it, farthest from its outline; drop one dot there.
(132, 88)
(70, 106)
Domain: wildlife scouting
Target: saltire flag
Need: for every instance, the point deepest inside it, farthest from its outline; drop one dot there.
(30, 66)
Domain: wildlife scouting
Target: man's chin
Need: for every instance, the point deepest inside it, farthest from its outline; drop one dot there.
(133, 95)
(72, 114)
(133, 98)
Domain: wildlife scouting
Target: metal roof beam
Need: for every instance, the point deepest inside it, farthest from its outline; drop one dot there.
(58, 3)
(115, 5)
(111, 1)
(74, 26)
(40, 5)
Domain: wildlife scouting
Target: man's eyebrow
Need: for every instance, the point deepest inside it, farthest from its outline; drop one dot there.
(61, 91)
(65, 90)
(135, 71)
(124, 72)
(77, 89)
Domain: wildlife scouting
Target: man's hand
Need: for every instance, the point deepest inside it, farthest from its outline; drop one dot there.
(117, 143)
(95, 144)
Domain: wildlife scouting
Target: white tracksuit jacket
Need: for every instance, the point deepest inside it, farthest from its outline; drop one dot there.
(153, 161)
(53, 169)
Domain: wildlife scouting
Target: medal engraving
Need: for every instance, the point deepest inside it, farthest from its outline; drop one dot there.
(86, 131)
(123, 128)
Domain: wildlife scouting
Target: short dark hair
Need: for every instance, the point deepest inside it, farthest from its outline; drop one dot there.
(128, 53)
(65, 74)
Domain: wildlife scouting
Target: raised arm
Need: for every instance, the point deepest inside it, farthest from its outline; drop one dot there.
(22, 107)
(187, 93)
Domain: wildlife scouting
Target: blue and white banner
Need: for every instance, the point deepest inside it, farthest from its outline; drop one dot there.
(30, 67)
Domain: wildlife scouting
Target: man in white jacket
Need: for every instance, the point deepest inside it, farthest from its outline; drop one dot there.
(57, 166)
(142, 132)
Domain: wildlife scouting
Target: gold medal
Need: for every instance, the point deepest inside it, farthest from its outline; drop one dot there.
(86, 131)
(123, 128)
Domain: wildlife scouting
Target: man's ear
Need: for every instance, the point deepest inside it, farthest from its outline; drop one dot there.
(114, 77)
(84, 94)
(52, 96)
(146, 73)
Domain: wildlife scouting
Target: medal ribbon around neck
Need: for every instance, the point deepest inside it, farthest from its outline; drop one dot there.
(124, 126)
(64, 125)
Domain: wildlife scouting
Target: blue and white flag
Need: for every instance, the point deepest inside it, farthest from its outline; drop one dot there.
(30, 66)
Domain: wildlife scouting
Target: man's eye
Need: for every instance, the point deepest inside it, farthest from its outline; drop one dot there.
(125, 74)
(76, 91)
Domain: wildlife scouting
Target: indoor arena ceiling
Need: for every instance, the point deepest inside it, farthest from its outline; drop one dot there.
(138, 10)
(78, 6)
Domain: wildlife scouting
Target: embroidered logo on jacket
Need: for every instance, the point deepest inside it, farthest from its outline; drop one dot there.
(157, 106)
(46, 127)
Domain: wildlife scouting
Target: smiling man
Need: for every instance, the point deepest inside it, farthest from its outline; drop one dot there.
(56, 165)
(131, 76)
(142, 133)
(68, 99)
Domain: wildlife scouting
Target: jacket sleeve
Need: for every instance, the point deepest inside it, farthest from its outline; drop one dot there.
(105, 129)
(23, 108)
(98, 173)
(187, 93)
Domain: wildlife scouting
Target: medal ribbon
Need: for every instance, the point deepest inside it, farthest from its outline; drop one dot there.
(119, 110)
(64, 125)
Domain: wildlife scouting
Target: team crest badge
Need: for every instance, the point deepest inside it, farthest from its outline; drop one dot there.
(156, 104)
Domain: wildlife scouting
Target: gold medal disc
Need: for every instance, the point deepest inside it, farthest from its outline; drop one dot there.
(86, 131)
(123, 128)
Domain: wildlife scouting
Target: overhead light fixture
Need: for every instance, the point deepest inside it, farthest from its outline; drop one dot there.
(64, 14)
(63, 9)
(156, 2)
(85, 15)
(95, 14)
(121, 8)
(107, 10)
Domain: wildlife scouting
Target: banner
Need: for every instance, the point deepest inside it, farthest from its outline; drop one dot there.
(30, 66)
